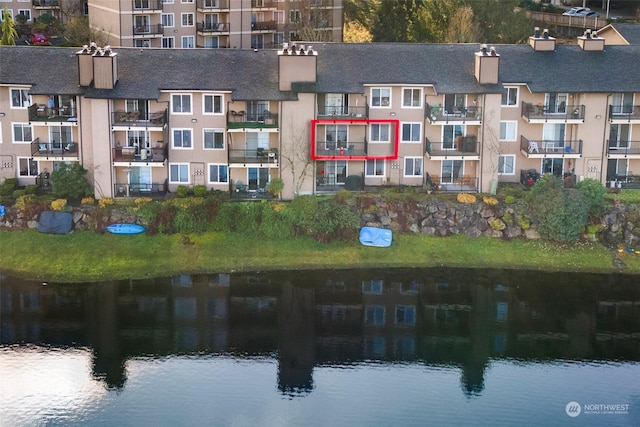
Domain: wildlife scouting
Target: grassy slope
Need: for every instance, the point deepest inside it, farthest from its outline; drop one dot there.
(86, 256)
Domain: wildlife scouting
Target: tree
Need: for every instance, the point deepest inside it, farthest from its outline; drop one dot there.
(501, 21)
(313, 23)
(462, 28)
(78, 32)
(355, 32)
(296, 159)
(9, 34)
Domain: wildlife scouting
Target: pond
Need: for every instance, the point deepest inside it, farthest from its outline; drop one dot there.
(359, 347)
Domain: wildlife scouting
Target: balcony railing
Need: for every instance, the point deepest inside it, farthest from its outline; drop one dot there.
(547, 147)
(41, 148)
(264, 26)
(212, 27)
(461, 114)
(449, 183)
(332, 111)
(623, 148)
(628, 113)
(262, 4)
(255, 155)
(240, 119)
(139, 190)
(240, 190)
(45, 4)
(341, 148)
(464, 145)
(146, 5)
(42, 113)
(144, 155)
(562, 113)
(137, 119)
(148, 30)
(212, 4)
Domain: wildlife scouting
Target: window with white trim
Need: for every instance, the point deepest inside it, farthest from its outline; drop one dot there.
(379, 132)
(278, 16)
(372, 286)
(187, 19)
(25, 12)
(374, 167)
(181, 138)
(179, 173)
(7, 11)
(411, 132)
(508, 130)
(413, 166)
(20, 98)
(218, 173)
(181, 103)
(374, 315)
(22, 133)
(412, 97)
(510, 97)
(506, 164)
(212, 104)
(213, 139)
(167, 1)
(168, 42)
(405, 315)
(381, 97)
(188, 42)
(27, 166)
(294, 16)
(167, 20)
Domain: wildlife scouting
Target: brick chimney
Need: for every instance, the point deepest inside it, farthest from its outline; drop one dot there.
(542, 42)
(487, 65)
(591, 41)
(296, 63)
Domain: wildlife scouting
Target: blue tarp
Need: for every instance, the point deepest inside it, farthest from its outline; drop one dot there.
(374, 236)
(55, 222)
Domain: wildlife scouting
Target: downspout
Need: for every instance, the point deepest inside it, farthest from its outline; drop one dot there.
(604, 141)
(484, 101)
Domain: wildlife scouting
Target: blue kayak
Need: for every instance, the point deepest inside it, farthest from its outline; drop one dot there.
(375, 236)
(126, 228)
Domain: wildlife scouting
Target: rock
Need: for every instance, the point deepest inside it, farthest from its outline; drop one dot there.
(32, 224)
(531, 234)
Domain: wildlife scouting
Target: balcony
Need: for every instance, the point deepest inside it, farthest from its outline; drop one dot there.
(212, 27)
(132, 119)
(146, 156)
(623, 149)
(146, 6)
(264, 26)
(242, 120)
(541, 113)
(437, 114)
(242, 191)
(332, 111)
(139, 190)
(263, 4)
(42, 113)
(212, 5)
(148, 30)
(45, 4)
(625, 182)
(254, 156)
(624, 114)
(463, 147)
(54, 150)
(550, 148)
(341, 150)
(455, 184)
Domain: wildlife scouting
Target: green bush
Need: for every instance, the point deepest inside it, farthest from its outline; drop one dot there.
(200, 190)
(182, 191)
(509, 200)
(68, 182)
(19, 193)
(625, 196)
(559, 214)
(31, 189)
(594, 192)
(8, 187)
(275, 186)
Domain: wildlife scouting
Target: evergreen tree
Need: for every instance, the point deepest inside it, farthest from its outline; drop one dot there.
(9, 34)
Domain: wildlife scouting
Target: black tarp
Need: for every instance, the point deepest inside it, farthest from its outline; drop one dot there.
(55, 222)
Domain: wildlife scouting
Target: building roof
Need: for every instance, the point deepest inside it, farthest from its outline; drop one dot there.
(628, 31)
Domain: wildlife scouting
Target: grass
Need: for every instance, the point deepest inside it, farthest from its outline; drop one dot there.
(87, 256)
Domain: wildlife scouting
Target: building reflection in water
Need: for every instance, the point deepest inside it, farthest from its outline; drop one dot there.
(461, 318)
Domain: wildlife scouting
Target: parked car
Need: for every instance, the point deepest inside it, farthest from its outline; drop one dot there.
(589, 14)
(577, 11)
(38, 38)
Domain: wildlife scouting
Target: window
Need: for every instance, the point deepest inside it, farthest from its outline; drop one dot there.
(508, 131)
(413, 166)
(19, 98)
(181, 103)
(294, 16)
(452, 135)
(412, 97)
(167, 20)
(188, 42)
(278, 16)
(167, 1)
(374, 314)
(212, 104)
(168, 42)
(213, 139)
(28, 166)
(405, 314)
(375, 167)
(187, 19)
(218, 174)
(411, 132)
(179, 173)
(380, 97)
(142, 43)
(372, 287)
(6, 11)
(379, 132)
(25, 12)
(22, 132)
(510, 97)
(182, 138)
(506, 164)
(278, 39)
(186, 1)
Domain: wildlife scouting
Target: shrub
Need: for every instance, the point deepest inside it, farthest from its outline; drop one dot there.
(8, 187)
(497, 224)
(23, 201)
(200, 190)
(275, 186)
(31, 189)
(491, 201)
(466, 198)
(594, 192)
(58, 204)
(509, 199)
(105, 202)
(18, 193)
(182, 191)
(142, 201)
(69, 181)
(87, 200)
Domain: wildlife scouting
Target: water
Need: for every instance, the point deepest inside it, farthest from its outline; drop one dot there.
(323, 348)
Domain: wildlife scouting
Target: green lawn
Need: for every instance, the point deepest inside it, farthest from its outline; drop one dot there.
(87, 256)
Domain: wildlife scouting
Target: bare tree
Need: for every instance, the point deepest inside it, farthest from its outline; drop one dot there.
(296, 159)
(491, 144)
(311, 21)
(462, 28)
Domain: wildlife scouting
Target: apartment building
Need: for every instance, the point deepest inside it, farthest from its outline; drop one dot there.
(322, 117)
(33, 9)
(240, 24)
